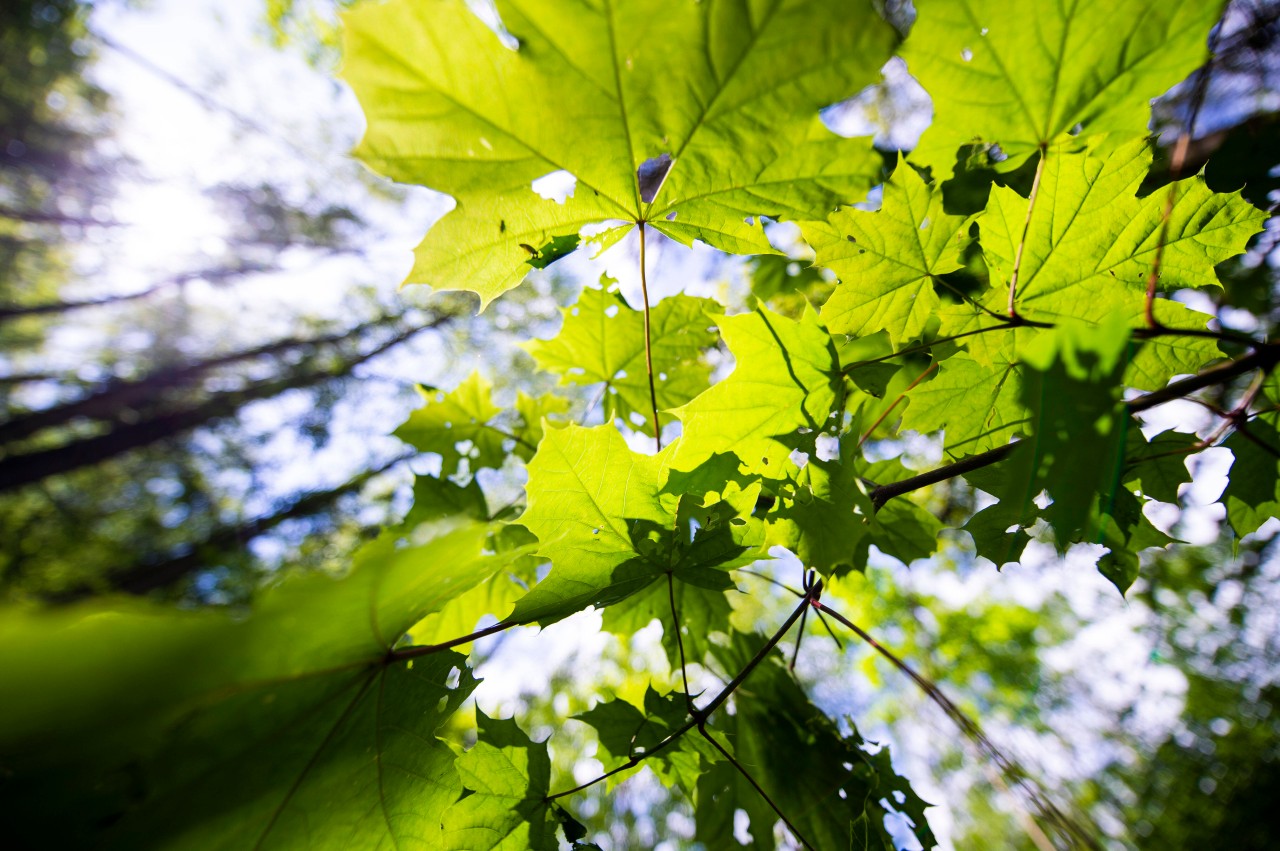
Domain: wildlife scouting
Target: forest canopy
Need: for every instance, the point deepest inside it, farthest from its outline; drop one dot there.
(974, 354)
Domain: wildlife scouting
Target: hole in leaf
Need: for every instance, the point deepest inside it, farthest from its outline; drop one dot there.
(851, 238)
(662, 376)
(557, 186)
(671, 217)
(455, 677)
(619, 375)
(984, 31)
(651, 175)
(742, 827)
(966, 54)
(595, 531)
(749, 220)
(442, 704)
(611, 311)
(828, 447)
(843, 795)
(924, 224)
(800, 459)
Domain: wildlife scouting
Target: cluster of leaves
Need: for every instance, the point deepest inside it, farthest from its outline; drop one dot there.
(1009, 294)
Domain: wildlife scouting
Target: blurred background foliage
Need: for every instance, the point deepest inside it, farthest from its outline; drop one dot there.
(203, 353)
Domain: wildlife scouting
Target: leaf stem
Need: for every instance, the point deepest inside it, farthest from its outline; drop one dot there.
(1026, 228)
(648, 342)
(675, 627)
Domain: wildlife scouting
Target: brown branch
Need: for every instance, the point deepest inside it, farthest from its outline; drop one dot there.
(108, 403)
(166, 569)
(211, 275)
(1265, 357)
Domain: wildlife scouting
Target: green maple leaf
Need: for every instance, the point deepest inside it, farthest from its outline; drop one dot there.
(786, 379)
(1091, 244)
(1252, 495)
(979, 406)
(625, 731)
(144, 727)
(1125, 531)
(830, 787)
(1092, 241)
(465, 424)
(507, 777)
(823, 516)
(602, 341)
(605, 519)
(889, 260)
(694, 118)
(1028, 75)
(1072, 391)
(1087, 253)
(1158, 466)
(990, 530)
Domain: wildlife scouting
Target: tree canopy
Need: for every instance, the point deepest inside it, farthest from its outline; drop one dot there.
(1021, 294)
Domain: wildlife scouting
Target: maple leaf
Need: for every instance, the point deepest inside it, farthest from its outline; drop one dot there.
(176, 728)
(602, 341)
(694, 118)
(610, 527)
(1027, 75)
(889, 260)
(786, 378)
(465, 424)
(506, 776)
(1087, 252)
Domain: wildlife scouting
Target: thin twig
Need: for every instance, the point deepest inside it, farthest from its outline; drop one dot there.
(1264, 357)
(403, 653)
(795, 657)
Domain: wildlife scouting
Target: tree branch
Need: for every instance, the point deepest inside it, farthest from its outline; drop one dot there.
(1265, 357)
